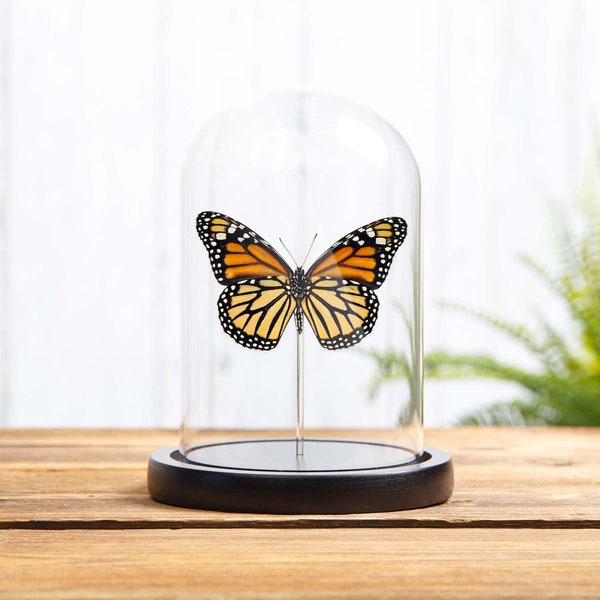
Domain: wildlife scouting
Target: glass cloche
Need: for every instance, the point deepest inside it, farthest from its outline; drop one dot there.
(302, 255)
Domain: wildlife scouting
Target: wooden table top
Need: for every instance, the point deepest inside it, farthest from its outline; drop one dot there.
(76, 521)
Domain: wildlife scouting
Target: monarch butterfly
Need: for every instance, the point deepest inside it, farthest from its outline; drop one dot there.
(336, 293)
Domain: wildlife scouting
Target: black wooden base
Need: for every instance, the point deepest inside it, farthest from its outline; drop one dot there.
(332, 477)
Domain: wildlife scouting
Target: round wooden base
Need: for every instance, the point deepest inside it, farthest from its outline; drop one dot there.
(331, 477)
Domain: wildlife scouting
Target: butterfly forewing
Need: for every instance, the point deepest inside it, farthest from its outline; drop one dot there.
(254, 312)
(364, 255)
(341, 313)
(235, 251)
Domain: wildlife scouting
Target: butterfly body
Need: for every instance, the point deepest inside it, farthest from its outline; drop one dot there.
(262, 292)
(298, 288)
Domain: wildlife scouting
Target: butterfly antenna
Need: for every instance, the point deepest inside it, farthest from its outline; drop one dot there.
(288, 252)
(310, 248)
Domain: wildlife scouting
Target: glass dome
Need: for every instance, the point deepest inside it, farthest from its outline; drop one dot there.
(286, 167)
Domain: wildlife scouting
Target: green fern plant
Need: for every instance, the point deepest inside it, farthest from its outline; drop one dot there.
(564, 389)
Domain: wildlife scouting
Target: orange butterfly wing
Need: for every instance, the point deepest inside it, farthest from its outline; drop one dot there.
(235, 251)
(340, 303)
(364, 255)
(257, 304)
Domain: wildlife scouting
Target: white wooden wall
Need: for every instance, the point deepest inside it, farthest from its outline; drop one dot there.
(99, 101)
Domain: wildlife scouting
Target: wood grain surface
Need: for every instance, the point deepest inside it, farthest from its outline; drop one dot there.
(505, 477)
(332, 563)
(76, 522)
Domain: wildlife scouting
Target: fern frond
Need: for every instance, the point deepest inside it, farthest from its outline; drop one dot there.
(562, 239)
(558, 356)
(583, 305)
(516, 331)
(391, 366)
(502, 413)
(579, 399)
(554, 283)
(511, 414)
(580, 277)
(588, 198)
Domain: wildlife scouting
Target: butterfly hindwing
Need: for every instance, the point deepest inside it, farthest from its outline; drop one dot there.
(364, 255)
(235, 251)
(255, 312)
(340, 312)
